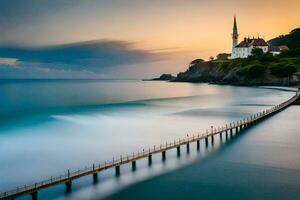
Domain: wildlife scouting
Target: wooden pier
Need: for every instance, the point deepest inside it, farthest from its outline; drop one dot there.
(163, 148)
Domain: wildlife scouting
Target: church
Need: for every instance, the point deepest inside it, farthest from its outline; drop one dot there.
(245, 47)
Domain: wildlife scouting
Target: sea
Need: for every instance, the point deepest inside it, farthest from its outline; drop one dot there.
(48, 127)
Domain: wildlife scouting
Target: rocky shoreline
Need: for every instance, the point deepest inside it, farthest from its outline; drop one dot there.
(238, 72)
(258, 69)
(210, 72)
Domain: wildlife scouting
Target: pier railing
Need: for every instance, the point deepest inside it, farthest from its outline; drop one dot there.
(162, 148)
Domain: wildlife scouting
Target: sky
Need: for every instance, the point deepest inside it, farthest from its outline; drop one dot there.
(156, 36)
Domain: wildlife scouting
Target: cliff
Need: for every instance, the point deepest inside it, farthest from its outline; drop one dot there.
(259, 69)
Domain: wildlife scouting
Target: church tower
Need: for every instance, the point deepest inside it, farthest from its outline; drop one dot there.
(235, 34)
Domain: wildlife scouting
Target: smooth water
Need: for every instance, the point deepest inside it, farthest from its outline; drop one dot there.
(49, 126)
(262, 163)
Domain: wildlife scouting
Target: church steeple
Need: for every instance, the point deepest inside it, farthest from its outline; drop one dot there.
(235, 34)
(235, 30)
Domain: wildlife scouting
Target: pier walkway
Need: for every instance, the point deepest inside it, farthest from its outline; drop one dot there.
(162, 149)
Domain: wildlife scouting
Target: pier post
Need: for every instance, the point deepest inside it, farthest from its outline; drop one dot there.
(198, 145)
(212, 139)
(163, 155)
(178, 151)
(206, 141)
(95, 178)
(34, 195)
(118, 170)
(95, 175)
(69, 186)
(69, 183)
(226, 135)
(188, 147)
(150, 159)
(133, 165)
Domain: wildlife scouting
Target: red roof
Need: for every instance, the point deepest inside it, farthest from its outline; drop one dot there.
(283, 48)
(279, 48)
(247, 42)
(274, 48)
(243, 44)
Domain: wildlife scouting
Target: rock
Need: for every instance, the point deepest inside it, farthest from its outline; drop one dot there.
(212, 72)
(164, 77)
(200, 72)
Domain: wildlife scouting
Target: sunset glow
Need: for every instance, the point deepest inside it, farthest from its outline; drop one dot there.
(188, 25)
(188, 29)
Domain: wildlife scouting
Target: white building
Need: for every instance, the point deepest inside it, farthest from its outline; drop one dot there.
(244, 48)
(276, 50)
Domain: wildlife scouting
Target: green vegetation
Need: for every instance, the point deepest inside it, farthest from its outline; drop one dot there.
(197, 61)
(292, 40)
(253, 71)
(260, 64)
(259, 69)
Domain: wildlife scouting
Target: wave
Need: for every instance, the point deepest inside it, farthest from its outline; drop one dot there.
(211, 112)
(281, 88)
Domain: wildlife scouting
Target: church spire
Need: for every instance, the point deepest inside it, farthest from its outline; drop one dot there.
(235, 30)
(235, 34)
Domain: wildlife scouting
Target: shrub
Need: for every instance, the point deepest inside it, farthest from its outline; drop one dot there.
(257, 70)
(289, 70)
(243, 71)
(253, 71)
(257, 52)
(290, 53)
(281, 70)
(277, 70)
(197, 61)
(225, 66)
(267, 57)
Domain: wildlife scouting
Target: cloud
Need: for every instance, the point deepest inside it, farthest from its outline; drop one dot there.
(90, 58)
(92, 55)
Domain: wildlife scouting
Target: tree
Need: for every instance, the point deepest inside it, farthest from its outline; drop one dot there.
(267, 57)
(278, 70)
(290, 70)
(282, 70)
(257, 52)
(290, 53)
(223, 56)
(256, 71)
(199, 60)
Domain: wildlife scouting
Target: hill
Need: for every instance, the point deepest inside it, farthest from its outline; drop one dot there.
(258, 69)
(292, 40)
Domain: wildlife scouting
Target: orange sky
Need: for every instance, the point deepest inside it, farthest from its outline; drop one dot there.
(188, 25)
